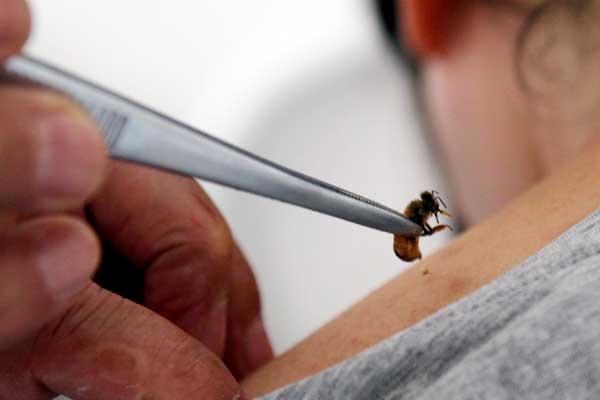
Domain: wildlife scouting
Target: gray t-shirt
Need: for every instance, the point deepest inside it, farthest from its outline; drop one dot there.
(533, 333)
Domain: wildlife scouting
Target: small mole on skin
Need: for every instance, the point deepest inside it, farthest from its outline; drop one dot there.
(118, 365)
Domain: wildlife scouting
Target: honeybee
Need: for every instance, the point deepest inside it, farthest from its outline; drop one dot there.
(419, 211)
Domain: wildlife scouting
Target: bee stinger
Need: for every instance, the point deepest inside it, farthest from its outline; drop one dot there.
(419, 211)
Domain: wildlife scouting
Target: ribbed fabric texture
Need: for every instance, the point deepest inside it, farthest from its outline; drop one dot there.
(533, 333)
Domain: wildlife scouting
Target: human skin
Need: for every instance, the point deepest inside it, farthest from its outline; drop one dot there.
(473, 259)
(494, 141)
(519, 180)
(197, 323)
(479, 116)
(101, 345)
(96, 345)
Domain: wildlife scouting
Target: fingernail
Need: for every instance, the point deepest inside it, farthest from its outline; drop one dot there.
(72, 156)
(67, 259)
(258, 348)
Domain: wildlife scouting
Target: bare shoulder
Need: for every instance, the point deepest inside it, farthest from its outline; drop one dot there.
(475, 258)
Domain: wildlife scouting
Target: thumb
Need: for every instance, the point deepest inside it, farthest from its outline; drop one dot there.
(52, 155)
(44, 263)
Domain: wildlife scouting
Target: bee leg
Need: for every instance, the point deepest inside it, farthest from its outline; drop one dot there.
(439, 228)
(427, 230)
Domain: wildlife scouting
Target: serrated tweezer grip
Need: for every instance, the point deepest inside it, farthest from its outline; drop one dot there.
(137, 134)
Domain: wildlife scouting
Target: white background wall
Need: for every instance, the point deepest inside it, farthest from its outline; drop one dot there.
(308, 84)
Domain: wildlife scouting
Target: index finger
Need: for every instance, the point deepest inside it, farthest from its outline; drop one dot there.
(15, 23)
(105, 347)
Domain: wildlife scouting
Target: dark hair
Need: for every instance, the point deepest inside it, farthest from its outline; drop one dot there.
(388, 14)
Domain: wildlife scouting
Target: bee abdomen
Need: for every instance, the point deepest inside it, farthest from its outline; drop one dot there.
(407, 248)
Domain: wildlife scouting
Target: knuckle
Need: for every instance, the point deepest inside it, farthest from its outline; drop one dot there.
(26, 102)
(53, 102)
(221, 241)
(193, 242)
(212, 241)
(209, 222)
(32, 144)
(191, 256)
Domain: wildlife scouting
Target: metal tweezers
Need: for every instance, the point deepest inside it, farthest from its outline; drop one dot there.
(138, 134)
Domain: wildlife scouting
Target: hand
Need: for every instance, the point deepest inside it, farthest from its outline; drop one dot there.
(60, 333)
(51, 159)
(173, 246)
(163, 229)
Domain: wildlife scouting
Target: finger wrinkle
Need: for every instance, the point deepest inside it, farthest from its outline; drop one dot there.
(110, 321)
(171, 241)
(213, 243)
(68, 315)
(87, 315)
(185, 359)
(176, 301)
(80, 313)
(174, 351)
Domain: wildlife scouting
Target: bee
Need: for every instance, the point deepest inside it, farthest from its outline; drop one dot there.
(419, 211)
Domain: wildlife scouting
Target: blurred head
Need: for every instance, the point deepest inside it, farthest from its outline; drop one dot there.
(510, 88)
